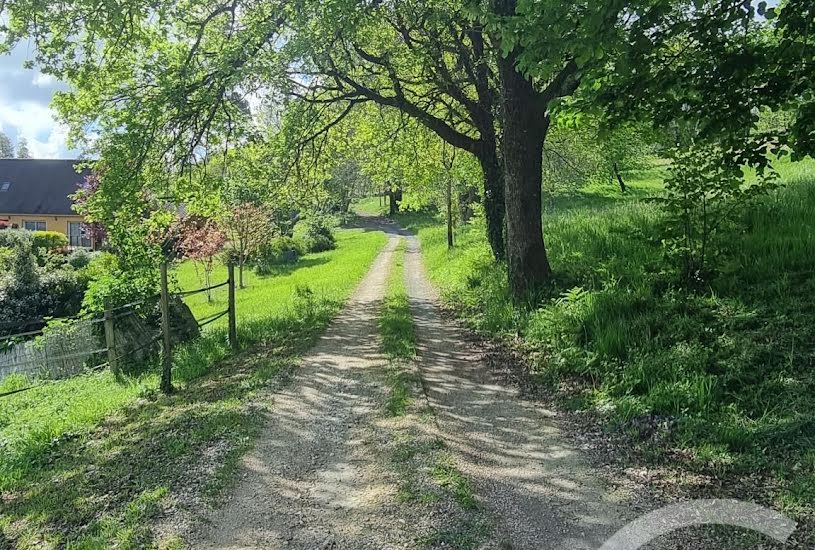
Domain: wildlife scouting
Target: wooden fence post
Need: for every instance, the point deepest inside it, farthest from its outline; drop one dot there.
(167, 352)
(449, 211)
(233, 324)
(110, 342)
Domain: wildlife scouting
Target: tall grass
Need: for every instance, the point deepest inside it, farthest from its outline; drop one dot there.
(723, 375)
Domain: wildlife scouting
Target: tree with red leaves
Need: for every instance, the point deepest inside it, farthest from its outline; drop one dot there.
(200, 240)
(247, 227)
(95, 231)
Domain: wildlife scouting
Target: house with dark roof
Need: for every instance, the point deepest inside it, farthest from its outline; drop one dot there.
(34, 195)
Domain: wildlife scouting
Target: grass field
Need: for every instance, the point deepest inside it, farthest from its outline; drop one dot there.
(89, 462)
(371, 206)
(326, 279)
(268, 295)
(718, 381)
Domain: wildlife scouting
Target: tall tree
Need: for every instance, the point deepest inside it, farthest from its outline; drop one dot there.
(453, 66)
(484, 76)
(22, 149)
(429, 60)
(6, 147)
(679, 69)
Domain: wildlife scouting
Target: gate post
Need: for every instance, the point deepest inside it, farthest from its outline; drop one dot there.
(110, 342)
(233, 325)
(167, 353)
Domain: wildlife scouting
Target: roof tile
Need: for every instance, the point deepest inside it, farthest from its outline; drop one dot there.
(39, 186)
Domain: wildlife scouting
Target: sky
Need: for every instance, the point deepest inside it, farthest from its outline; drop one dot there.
(25, 96)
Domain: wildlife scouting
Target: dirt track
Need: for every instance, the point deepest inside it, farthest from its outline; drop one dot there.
(536, 485)
(319, 476)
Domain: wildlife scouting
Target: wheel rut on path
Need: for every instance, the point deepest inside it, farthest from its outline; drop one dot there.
(538, 488)
(309, 482)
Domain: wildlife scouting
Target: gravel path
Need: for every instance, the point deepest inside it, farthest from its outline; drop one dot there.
(541, 493)
(310, 481)
(332, 469)
(322, 472)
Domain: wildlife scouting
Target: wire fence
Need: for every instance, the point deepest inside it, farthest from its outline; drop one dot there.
(45, 350)
(59, 349)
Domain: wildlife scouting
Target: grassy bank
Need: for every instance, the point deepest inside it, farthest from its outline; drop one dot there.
(719, 381)
(89, 462)
(371, 206)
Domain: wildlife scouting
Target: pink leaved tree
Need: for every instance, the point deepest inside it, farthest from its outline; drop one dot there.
(247, 228)
(201, 240)
(94, 231)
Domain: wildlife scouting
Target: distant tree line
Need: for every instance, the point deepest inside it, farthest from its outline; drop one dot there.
(7, 148)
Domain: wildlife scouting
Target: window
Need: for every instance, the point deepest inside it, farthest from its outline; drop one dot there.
(77, 236)
(5, 186)
(34, 226)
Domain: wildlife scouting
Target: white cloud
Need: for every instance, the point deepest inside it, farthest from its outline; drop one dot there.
(30, 119)
(44, 80)
(25, 96)
(46, 137)
(53, 147)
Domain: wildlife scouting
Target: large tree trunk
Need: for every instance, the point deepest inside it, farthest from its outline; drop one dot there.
(395, 196)
(494, 208)
(525, 128)
(393, 208)
(466, 200)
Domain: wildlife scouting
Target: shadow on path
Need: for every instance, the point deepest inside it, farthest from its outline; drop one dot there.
(310, 482)
(542, 494)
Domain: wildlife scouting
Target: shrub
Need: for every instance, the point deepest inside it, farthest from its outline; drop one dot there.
(57, 293)
(13, 238)
(49, 260)
(62, 291)
(49, 240)
(80, 258)
(29, 293)
(110, 283)
(318, 234)
(22, 275)
(277, 251)
(6, 258)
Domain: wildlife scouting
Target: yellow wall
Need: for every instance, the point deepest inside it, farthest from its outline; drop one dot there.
(52, 223)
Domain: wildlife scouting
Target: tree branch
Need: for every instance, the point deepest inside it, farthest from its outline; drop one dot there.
(563, 84)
